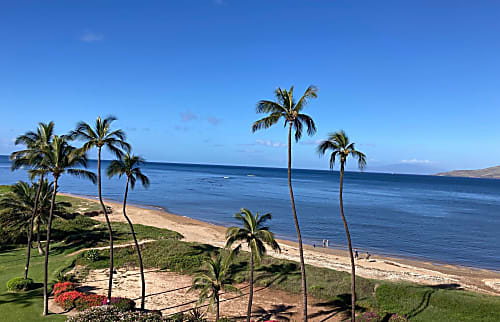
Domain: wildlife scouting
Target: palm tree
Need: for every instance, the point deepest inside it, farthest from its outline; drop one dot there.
(61, 158)
(216, 278)
(285, 107)
(129, 166)
(33, 158)
(19, 202)
(340, 146)
(98, 137)
(255, 235)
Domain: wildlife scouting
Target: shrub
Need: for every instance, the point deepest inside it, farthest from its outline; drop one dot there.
(61, 277)
(110, 314)
(369, 317)
(91, 255)
(398, 318)
(19, 284)
(62, 287)
(67, 300)
(87, 301)
(121, 303)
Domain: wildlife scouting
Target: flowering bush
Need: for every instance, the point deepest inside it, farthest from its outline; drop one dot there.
(63, 287)
(121, 303)
(110, 314)
(67, 299)
(398, 318)
(369, 317)
(87, 301)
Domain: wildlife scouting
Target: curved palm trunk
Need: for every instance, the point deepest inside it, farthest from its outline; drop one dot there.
(143, 281)
(111, 253)
(250, 297)
(39, 244)
(30, 230)
(217, 312)
(299, 237)
(47, 245)
(353, 268)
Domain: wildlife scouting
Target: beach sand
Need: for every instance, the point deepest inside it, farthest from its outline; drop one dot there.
(378, 267)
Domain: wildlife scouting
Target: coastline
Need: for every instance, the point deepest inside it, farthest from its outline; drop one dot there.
(380, 267)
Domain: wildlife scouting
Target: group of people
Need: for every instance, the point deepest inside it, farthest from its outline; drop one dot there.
(326, 244)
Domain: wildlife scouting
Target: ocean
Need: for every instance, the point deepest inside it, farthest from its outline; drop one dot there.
(439, 219)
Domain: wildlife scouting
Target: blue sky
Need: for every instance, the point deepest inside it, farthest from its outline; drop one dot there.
(413, 82)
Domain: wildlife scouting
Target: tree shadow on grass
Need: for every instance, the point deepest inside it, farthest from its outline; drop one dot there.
(23, 299)
(342, 303)
(277, 273)
(203, 249)
(426, 298)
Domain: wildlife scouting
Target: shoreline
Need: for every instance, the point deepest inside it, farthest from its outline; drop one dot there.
(379, 266)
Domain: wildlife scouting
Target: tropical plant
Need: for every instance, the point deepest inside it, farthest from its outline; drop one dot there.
(215, 279)
(129, 166)
(98, 137)
(20, 201)
(61, 158)
(19, 284)
(286, 108)
(255, 235)
(33, 158)
(340, 146)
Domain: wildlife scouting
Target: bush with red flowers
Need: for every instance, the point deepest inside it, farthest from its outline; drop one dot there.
(63, 287)
(89, 300)
(67, 299)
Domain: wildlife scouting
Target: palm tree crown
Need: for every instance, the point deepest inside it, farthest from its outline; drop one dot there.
(216, 278)
(101, 136)
(254, 233)
(32, 156)
(63, 157)
(340, 146)
(129, 165)
(285, 107)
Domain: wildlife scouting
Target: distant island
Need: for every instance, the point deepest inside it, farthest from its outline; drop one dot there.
(492, 173)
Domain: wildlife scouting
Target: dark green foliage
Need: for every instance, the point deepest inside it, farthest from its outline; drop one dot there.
(122, 304)
(19, 284)
(91, 255)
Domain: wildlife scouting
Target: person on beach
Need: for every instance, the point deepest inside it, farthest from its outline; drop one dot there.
(327, 243)
(368, 256)
(324, 243)
(356, 255)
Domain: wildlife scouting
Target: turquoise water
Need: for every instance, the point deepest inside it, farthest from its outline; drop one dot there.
(441, 219)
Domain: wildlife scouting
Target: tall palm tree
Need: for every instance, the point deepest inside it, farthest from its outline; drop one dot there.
(285, 107)
(217, 278)
(61, 158)
(19, 202)
(129, 165)
(340, 146)
(255, 235)
(101, 136)
(33, 158)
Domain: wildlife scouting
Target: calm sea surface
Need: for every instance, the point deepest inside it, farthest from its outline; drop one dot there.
(446, 220)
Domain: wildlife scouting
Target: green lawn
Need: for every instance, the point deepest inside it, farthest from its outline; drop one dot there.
(27, 306)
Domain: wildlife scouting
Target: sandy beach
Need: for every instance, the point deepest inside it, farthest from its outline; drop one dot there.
(377, 267)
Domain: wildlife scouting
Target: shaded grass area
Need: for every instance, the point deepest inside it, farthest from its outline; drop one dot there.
(4, 189)
(419, 303)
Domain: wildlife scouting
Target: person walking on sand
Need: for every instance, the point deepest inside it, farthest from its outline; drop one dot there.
(356, 255)
(327, 243)
(324, 243)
